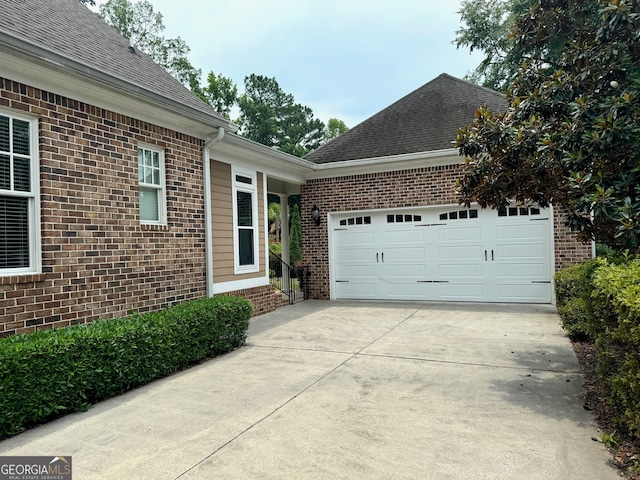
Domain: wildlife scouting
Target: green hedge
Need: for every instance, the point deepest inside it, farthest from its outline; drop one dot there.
(600, 300)
(573, 292)
(49, 373)
(616, 300)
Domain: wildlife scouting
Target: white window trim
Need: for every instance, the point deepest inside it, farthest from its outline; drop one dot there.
(253, 189)
(35, 243)
(162, 188)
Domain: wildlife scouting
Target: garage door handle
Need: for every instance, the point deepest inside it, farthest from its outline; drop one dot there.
(485, 255)
(377, 261)
(492, 255)
(382, 257)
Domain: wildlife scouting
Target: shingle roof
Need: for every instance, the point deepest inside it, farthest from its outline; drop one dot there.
(425, 120)
(69, 29)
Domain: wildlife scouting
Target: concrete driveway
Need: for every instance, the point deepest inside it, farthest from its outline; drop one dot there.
(346, 390)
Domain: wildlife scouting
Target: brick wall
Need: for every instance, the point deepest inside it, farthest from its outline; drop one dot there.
(567, 249)
(407, 188)
(264, 299)
(98, 260)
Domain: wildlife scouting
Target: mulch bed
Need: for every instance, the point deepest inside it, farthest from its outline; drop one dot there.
(628, 451)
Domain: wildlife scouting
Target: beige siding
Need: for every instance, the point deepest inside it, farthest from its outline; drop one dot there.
(222, 224)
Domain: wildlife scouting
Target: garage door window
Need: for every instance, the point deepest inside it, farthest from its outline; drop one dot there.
(518, 211)
(355, 221)
(459, 215)
(403, 218)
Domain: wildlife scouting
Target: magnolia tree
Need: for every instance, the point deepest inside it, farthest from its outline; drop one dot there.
(571, 134)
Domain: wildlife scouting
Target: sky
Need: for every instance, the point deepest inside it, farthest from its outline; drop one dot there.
(345, 59)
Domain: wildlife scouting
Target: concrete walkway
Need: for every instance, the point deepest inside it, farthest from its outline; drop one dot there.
(353, 390)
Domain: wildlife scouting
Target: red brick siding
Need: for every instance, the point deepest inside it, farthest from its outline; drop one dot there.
(428, 186)
(568, 249)
(98, 260)
(264, 299)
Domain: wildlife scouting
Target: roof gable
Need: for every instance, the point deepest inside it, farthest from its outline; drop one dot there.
(425, 120)
(67, 28)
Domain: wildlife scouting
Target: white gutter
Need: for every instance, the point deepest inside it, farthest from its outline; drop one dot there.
(448, 152)
(206, 164)
(94, 76)
(448, 156)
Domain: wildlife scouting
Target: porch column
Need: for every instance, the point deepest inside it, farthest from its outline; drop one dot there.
(284, 236)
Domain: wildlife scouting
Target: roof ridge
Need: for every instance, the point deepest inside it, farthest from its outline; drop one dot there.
(425, 119)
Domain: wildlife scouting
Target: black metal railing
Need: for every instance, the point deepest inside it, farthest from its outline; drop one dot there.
(293, 282)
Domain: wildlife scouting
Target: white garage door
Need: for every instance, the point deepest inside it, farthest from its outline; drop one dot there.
(453, 254)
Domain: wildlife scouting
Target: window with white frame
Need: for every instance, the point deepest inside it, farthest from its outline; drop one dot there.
(151, 185)
(19, 195)
(245, 216)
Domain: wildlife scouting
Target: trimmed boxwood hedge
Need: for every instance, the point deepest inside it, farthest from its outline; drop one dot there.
(573, 292)
(49, 373)
(600, 299)
(616, 307)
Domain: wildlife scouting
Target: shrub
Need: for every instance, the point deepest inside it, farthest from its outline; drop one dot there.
(617, 296)
(276, 248)
(576, 318)
(573, 293)
(53, 372)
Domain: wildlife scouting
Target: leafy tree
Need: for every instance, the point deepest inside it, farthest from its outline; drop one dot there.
(488, 27)
(571, 135)
(88, 2)
(143, 26)
(220, 92)
(271, 117)
(295, 236)
(334, 129)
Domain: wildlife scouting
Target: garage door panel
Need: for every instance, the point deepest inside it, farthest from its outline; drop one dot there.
(429, 255)
(524, 292)
(402, 254)
(459, 234)
(522, 270)
(461, 271)
(519, 232)
(459, 292)
(346, 272)
(414, 271)
(404, 236)
(461, 252)
(356, 238)
(355, 255)
(523, 252)
(356, 291)
(407, 291)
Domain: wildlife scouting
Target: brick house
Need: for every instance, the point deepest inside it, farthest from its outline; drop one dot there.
(120, 190)
(391, 226)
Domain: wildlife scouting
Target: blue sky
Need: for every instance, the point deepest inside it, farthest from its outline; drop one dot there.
(346, 59)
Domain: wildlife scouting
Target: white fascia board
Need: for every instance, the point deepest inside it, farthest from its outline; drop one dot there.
(236, 150)
(84, 84)
(391, 163)
(234, 285)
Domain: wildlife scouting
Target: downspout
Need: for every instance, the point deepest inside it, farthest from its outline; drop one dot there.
(206, 162)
